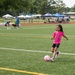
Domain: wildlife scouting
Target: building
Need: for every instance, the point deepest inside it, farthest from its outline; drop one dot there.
(70, 14)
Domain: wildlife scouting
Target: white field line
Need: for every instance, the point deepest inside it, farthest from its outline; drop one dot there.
(42, 28)
(24, 34)
(35, 51)
(31, 35)
(39, 28)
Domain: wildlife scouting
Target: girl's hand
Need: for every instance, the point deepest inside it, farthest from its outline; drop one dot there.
(65, 37)
(52, 38)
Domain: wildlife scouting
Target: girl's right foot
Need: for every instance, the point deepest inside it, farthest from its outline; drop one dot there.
(57, 55)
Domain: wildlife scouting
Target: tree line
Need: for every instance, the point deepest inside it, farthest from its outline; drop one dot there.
(14, 7)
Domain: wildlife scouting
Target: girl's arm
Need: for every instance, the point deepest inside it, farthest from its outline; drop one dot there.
(52, 37)
(65, 37)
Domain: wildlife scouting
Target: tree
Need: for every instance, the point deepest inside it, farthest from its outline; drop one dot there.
(38, 6)
(42, 6)
(59, 6)
(67, 9)
(31, 6)
(73, 8)
(16, 6)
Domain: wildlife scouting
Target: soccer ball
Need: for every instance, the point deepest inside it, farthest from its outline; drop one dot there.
(47, 58)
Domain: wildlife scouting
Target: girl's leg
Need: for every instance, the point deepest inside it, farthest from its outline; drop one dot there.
(55, 52)
(8, 26)
(52, 50)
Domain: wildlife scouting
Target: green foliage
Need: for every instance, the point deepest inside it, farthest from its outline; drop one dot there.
(44, 6)
(73, 9)
(14, 6)
(59, 6)
(31, 6)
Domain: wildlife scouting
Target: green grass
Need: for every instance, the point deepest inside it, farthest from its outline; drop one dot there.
(36, 38)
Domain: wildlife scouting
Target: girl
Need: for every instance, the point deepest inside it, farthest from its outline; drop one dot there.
(57, 36)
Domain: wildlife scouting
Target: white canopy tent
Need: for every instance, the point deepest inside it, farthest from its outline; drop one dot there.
(27, 16)
(7, 16)
(21, 17)
(33, 16)
(38, 15)
(48, 14)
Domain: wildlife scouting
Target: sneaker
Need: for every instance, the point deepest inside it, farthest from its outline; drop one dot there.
(8, 28)
(52, 59)
(57, 55)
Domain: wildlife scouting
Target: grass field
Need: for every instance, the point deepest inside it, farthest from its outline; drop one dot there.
(22, 51)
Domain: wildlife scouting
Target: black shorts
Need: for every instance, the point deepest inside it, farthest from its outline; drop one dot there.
(14, 25)
(56, 45)
(5, 24)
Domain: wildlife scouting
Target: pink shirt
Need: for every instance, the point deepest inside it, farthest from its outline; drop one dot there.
(57, 37)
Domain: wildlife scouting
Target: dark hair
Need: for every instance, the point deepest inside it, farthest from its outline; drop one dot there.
(61, 28)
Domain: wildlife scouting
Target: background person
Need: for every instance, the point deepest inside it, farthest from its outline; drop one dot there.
(17, 23)
(7, 24)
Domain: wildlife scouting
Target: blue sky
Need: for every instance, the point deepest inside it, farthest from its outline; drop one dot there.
(69, 3)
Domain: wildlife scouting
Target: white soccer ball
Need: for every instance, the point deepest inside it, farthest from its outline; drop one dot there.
(47, 58)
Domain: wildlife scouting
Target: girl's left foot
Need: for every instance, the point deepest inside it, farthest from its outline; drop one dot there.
(52, 59)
